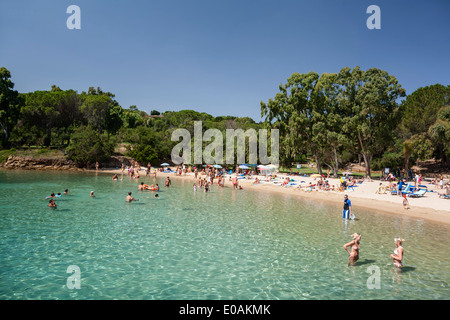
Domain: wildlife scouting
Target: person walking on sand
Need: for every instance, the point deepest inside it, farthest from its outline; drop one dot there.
(398, 253)
(353, 255)
(347, 211)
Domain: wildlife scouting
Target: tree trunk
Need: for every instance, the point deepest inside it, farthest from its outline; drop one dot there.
(6, 139)
(367, 161)
(406, 164)
(319, 168)
(336, 163)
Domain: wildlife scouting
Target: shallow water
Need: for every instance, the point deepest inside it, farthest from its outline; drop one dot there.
(190, 245)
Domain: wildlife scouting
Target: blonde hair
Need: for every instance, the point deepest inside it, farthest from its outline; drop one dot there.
(399, 240)
(355, 235)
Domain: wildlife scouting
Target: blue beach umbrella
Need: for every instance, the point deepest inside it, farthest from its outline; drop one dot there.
(165, 164)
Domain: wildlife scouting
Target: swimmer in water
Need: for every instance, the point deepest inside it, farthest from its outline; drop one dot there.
(156, 196)
(115, 177)
(66, 191)
(92, 194)
(353, 255)
(52, 203)
(142, 186)
(398, 253)
(130, 198)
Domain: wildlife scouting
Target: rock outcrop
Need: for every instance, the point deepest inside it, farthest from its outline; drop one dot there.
(15, 162)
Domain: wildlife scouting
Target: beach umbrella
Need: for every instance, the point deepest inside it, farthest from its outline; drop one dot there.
(165, 164)
(263, 168)
(243, 166)
(217, 166)
(346, 172)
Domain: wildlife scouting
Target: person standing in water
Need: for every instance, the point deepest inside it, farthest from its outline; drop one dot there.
(52, 203)
(347, 211)
(130, 198)
(398, 253)
(353, 255)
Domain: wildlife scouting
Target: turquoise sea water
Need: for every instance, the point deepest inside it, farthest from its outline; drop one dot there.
(190, 245)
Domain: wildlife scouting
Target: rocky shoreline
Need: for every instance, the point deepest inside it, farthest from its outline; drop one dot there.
(59, 163)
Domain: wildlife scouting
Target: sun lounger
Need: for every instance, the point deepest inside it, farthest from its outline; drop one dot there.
(417, 194)
(444, 195)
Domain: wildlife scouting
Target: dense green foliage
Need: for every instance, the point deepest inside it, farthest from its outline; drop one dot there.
(358, 112)
(331, 119)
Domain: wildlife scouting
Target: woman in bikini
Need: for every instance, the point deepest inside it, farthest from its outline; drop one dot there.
(398, 253)
(354, 253)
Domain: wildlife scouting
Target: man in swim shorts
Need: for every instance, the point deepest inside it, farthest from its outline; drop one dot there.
(347, 211)
(235, 183)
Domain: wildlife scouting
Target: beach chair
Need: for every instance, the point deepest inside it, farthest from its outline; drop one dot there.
(409, 189)
(418, 193)
(394, 192)
(445, 195)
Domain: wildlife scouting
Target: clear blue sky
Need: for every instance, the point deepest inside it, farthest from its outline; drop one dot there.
(220, 57)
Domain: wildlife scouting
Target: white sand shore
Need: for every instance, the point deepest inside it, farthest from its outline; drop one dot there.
(429, 207)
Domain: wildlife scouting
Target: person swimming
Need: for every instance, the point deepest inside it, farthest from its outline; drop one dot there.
(354, 253)
(52, 203)
(398, 252)
(130, 198)
(92, 194)
(142, 186)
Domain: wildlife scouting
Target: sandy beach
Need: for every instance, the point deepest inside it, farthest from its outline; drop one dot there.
(429, 207)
